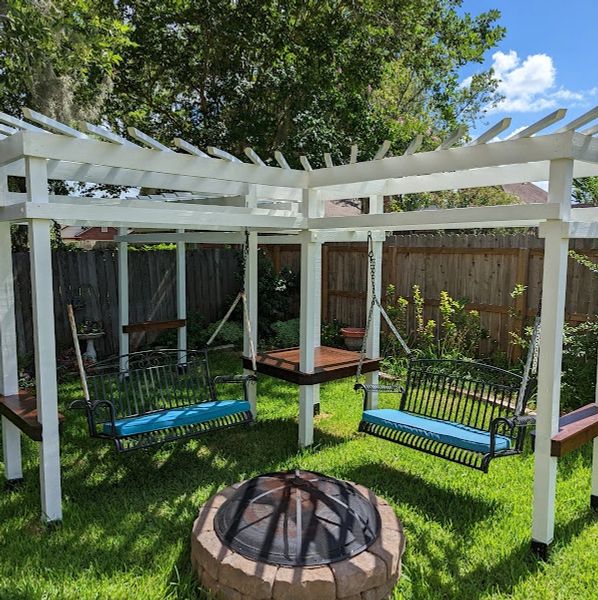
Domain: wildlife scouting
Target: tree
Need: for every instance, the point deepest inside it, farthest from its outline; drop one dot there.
(585, 190)
(301, 76)
(59, 56)
(486, 196)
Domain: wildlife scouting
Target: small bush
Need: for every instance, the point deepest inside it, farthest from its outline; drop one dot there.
(196, 334)
(456, 335)
(231, 333)
(286, 333)
(199, 332)
(331, 334)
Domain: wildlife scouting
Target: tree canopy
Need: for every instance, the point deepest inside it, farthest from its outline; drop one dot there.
(585, 191)
(301, 76)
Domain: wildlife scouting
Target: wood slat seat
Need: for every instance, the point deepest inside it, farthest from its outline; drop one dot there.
(21, 410)
(154, 325)
(575, 429)
(330, 364)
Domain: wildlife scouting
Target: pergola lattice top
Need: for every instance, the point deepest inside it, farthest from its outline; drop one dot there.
(217, 191)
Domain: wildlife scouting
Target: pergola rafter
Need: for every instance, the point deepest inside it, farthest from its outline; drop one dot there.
(215, 197)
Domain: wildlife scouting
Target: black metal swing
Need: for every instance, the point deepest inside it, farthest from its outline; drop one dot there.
(155, 396)
(463, 411)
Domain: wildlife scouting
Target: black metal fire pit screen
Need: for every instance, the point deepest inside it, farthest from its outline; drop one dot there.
(297, 518)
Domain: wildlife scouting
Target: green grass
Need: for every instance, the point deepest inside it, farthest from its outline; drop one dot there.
(127, 519)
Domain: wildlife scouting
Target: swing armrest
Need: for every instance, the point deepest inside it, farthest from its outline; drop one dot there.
(516, 426)
(244, 380)
(368, 388)
(90, 409)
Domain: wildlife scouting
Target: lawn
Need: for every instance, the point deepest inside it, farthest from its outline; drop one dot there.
(127, 518)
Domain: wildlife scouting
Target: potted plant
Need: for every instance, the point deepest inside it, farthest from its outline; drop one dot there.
(353, 337)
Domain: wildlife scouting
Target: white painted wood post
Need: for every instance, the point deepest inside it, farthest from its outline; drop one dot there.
(9, 376)
(181, 297)
(44, 342)
(373, 341)
(554, 284)
(251, 286)
(309, 317)
(594, 492)
(311, 281)
(123, 298)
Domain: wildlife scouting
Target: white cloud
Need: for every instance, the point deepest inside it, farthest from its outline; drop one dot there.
(529, 85)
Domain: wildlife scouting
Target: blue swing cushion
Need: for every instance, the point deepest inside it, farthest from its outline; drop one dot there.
(176, 417)
(447, 432)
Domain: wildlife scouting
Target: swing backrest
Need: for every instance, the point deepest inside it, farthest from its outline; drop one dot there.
(151, 380)
(465, 392)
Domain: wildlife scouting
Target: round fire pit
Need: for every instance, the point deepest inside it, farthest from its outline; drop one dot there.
(297, 534)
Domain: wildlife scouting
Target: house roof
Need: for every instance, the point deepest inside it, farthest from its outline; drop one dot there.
(89, 233)
(528, 193)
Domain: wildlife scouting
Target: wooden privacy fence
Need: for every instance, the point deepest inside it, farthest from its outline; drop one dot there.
(482, 269)
(211, 280)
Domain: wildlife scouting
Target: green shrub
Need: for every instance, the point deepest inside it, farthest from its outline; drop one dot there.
(231, 333)
(456, 335)
(331, 334)
(275, 291)
(578, 378)
(196, 334)
(286, 333)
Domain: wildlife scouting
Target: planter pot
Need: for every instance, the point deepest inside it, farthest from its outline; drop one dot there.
(353, 337)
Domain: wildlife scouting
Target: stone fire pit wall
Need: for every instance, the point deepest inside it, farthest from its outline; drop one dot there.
(370, 575)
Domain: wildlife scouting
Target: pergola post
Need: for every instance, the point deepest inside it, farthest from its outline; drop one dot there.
(373, 339)
(251, 287)
(181, 297)
(123, 298)
(554, 282)
(594, 492)
(45, 343)
(9, 380)
(309, 318)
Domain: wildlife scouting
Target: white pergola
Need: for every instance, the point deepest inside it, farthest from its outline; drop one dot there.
(214, 197)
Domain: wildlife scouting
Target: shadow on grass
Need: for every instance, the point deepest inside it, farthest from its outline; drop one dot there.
(458, 512)
(509, 571)
(442, 505)
(121, 512)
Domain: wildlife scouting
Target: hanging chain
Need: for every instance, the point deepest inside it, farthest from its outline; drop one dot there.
(375, 302)
(370, 316)
(244, 258)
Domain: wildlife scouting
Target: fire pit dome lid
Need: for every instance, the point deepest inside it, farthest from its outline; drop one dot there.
(297, 518)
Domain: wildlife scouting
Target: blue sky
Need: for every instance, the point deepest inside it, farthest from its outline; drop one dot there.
(547, 60)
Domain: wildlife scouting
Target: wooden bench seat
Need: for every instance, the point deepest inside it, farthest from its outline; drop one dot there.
(154, 325)
(575, 429)
(330, 364)
(21, 410)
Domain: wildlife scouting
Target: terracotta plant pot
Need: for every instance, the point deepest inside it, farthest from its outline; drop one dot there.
(353, 337)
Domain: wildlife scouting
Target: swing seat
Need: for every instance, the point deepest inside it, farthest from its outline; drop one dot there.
(177, 417)
(447, 432)
(156, 396)
(464, 411)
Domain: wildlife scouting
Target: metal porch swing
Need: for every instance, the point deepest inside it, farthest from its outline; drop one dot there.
(464, 411)
(155, 396)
